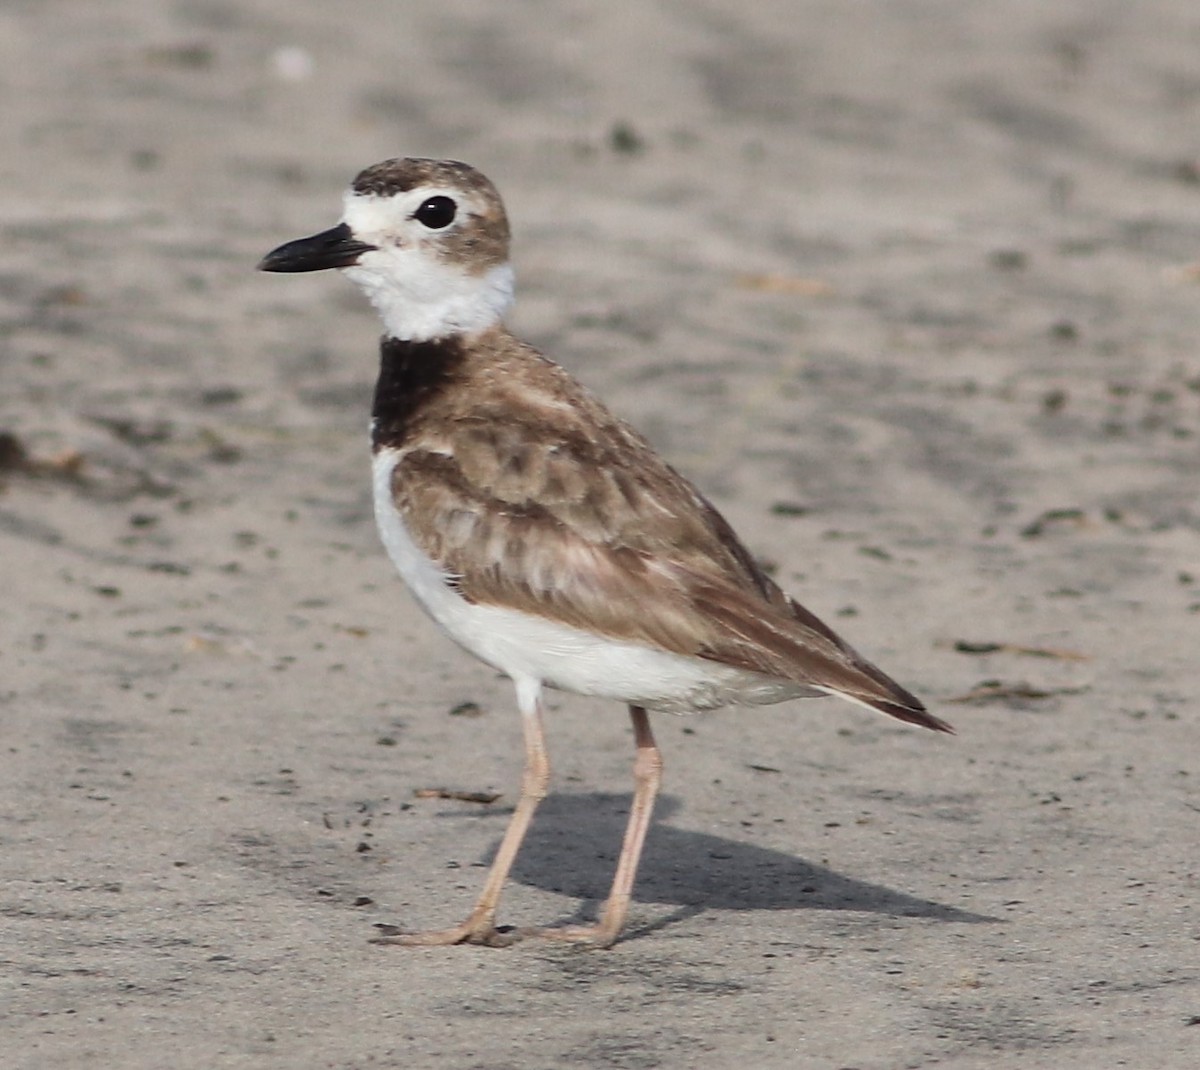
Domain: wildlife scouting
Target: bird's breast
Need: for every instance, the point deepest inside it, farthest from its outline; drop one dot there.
(428, 580)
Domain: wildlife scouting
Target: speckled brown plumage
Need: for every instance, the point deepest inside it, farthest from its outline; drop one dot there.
(533, 496)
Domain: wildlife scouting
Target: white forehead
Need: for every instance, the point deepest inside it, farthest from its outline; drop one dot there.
(374, 213)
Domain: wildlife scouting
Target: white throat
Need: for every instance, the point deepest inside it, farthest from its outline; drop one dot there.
(434, 300)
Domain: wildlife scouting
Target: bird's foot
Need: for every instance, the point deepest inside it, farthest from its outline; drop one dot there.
(598, 936)
(484, 935)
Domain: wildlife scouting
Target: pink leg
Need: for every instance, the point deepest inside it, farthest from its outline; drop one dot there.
(647, 775)
(480, 925)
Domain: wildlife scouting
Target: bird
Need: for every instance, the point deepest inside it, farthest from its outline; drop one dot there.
(540, 531)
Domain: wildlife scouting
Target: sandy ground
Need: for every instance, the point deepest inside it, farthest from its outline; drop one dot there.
(909, 288)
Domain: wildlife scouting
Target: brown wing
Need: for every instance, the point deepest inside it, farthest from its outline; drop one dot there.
(535, 497)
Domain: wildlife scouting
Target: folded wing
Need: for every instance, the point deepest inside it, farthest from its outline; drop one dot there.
(580, 529)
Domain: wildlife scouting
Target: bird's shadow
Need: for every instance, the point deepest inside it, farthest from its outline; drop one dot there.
(572, 850)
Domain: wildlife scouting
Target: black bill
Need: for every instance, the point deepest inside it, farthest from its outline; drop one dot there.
(336, 248)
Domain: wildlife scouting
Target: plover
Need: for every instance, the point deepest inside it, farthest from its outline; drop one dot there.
(541, 532)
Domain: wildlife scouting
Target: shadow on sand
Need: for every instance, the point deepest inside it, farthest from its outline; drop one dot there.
(572, 849)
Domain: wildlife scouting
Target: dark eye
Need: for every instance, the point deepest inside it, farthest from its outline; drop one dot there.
(437, 212)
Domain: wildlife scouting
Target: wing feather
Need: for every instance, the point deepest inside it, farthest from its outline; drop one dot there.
(582, 527)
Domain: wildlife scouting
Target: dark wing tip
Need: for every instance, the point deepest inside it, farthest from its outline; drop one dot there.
(913, 714)
(902, 704)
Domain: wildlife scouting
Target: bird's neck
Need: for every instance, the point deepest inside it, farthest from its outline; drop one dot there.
(412, 375)
(422, 301)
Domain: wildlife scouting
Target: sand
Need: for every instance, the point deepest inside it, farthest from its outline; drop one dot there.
(911, 290)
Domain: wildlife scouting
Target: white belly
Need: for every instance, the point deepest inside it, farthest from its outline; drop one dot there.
(525, 646)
